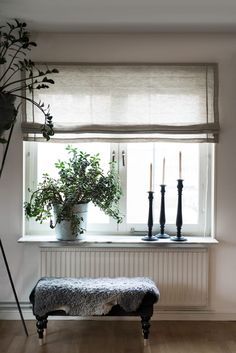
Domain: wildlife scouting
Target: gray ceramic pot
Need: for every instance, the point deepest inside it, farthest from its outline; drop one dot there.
(64, 229)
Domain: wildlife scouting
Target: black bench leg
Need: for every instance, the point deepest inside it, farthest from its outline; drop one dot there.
(41, 324)
(45, 324)
(145, 321)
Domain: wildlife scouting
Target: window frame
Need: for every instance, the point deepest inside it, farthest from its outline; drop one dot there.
(31, 227)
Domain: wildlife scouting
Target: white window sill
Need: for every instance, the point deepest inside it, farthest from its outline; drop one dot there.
(117, 241)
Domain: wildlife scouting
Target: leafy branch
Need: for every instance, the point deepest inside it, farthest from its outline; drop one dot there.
(20, 74)
(80, 180)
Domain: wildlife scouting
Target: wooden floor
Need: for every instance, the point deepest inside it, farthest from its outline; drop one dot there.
(77, 336)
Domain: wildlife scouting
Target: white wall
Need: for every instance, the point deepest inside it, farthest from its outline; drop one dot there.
(220, 48)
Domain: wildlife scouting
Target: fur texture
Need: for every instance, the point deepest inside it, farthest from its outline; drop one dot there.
(90, 296)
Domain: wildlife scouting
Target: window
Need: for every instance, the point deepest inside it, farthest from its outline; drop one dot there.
(133, 160)
(139, 114)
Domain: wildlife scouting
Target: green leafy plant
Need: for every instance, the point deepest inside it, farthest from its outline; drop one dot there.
(19, 74)
(81, 180)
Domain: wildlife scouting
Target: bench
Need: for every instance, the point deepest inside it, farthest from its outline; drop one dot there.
(93, 297)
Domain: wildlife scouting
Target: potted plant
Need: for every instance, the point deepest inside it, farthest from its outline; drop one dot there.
(80, 180)
(19, 74)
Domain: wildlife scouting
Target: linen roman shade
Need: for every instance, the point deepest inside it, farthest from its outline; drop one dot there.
(130, 102)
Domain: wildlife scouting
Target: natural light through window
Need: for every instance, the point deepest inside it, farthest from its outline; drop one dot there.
(133, 163)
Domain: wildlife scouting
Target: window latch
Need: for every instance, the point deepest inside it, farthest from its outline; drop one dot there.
(123, 158)
(113, 156)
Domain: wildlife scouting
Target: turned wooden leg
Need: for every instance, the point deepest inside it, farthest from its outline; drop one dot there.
(145, 321)
(45, 323)
(40, 324)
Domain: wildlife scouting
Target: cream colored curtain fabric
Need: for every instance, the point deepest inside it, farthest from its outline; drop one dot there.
(130, 103)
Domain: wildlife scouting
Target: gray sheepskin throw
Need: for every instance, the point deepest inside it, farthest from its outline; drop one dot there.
(90, 296)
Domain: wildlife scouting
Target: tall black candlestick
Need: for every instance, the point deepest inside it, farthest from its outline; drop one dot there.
(179, 218)
(149, 236)
(162, 219)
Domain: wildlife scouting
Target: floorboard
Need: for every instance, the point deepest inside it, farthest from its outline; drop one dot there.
(80, 336)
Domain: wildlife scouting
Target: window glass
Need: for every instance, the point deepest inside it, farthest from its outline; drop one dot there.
(133, 164)
(139, 157)
(49, 153)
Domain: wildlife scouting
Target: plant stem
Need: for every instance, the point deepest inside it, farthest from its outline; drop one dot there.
(22, 80)
(4, 46)
(31, 101)
(20, 88)
(9, 66)
(14, 72)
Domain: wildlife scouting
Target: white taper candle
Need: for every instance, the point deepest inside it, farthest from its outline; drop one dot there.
(150, 177)
(180, 165)
(163, 171)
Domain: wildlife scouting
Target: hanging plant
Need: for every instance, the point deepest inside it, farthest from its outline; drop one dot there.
(19, 74)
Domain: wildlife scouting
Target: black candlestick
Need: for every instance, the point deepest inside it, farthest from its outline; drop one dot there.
(149, 236)
(179, 218)
(162, 220)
